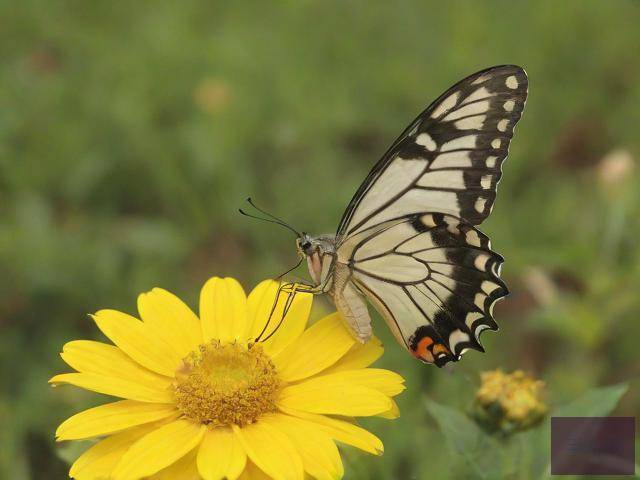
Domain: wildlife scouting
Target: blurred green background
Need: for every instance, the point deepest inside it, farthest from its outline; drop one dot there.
(130, 134)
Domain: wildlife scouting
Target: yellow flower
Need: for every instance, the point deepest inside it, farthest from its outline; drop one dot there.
(510, 401)
(203, 399)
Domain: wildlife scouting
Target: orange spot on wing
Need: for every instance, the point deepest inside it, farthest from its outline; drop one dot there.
(422, 349)
(439, 348)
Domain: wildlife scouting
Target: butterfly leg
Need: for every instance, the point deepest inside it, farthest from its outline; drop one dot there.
(294, 288)
(291, 290)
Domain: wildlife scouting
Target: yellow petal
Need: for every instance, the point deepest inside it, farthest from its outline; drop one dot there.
(171, 319)
(343, 431)
(385, 381)
(87, 356)
(251, 472)
(138, 342)
(221, 455)
(183, 469)
(320, 395)
(116, 387)
(111, 418)
(99, 460)
(223, 310)
(391, 414)
(271, 450)
(319, 347)
(159, 449)
(361, 355)
(268, 321)
(320, 456)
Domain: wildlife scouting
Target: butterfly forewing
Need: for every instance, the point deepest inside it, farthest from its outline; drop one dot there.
(449, 159)
(409, 233)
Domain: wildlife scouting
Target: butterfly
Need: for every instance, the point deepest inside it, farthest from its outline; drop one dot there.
(408, 241)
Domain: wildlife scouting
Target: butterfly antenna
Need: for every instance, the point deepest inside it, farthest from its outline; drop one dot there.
(270, 218)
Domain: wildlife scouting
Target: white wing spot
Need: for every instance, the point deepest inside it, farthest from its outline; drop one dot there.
(453, 226)
(446, 105)
(508, 105)
(480, 79)
(426, 141)
(496, 142)
(449, 160)
(473, 238)
(472, 317)
(479, 300)
(427, 221)
(480, 262)
(491, 161)
(479, 205)
(440, 178)
(502, 125)
(468, 109)
(460, 143)
(488, 287)
(471, 123)
(477, 95)
(456, 337)
(485, 182)
(511, 82)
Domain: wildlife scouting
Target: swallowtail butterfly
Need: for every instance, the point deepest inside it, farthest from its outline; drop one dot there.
(408, 240)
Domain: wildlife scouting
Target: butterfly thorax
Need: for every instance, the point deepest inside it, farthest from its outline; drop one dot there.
(320, 253)
(332, 277)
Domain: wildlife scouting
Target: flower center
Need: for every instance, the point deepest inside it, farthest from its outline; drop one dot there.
(226, 384)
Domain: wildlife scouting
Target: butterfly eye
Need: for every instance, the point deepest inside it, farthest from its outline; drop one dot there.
(306, 245)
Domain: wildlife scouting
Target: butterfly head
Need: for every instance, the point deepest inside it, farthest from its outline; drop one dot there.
(309, 246)
(305, 245)
(319, 252)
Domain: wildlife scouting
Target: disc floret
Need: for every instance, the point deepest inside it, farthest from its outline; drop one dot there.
(228, 384)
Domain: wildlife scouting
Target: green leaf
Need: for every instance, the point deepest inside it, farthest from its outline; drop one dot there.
(597, 402)
(465, 438)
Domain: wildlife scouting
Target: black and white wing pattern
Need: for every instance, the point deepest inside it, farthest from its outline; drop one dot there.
(434, 279)
(449, 159)
(409, 233)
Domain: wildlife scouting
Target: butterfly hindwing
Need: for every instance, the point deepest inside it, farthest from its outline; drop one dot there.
(435, 280)
(449, 159)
